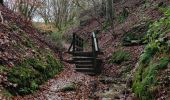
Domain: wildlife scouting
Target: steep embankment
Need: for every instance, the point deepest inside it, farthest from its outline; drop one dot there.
(25, 60)
(152, 78)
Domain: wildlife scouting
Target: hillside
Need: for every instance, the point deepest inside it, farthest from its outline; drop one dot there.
(25, 60)
(135, 60)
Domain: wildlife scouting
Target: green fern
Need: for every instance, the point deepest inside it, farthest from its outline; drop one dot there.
(120, 56)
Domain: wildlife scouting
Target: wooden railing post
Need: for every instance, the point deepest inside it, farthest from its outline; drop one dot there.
(94, 50)
(74, 42)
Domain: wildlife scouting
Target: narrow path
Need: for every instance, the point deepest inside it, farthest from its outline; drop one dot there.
(51, 90)
(87, 87)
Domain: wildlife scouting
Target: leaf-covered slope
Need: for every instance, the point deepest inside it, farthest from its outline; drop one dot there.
(25, 60)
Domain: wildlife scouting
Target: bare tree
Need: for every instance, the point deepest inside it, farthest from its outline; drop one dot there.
(26, 7)
(63, 12)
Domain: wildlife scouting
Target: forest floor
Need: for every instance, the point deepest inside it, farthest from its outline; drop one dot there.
(110, 84)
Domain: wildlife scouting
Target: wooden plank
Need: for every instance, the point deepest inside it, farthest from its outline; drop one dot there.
(84, 66)
(85, 69)
(83, 62)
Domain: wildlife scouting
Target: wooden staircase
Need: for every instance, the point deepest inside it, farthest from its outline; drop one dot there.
(86, 62)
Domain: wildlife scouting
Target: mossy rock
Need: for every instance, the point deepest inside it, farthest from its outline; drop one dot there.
(106, 80)
(69, 87)
(136, 35)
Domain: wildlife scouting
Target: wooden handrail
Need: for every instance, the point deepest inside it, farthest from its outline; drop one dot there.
(95, 42)
(76, 44)
(95, 49)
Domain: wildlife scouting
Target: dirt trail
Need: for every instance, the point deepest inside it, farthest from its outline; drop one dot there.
(87, 87)
(52, 89)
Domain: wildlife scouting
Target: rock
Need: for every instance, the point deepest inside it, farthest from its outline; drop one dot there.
(68, 87)
(106, 98)
(108, 94)
(106, 80)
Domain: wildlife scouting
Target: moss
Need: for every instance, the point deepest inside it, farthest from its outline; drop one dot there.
(120, 56)
(31, 73)
(3, 69)
(69, 87)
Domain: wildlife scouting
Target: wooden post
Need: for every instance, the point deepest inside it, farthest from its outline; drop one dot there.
(82, 44)
(94, 49)
(74, 41)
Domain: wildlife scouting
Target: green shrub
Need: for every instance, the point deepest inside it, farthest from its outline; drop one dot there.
(26, 79)
(106, 25)
(159, 28)
(123, 15)
(53, 66)
(57, 38)
(150, 51)
(120, 56)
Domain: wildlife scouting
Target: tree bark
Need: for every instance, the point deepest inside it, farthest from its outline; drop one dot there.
(109, 10)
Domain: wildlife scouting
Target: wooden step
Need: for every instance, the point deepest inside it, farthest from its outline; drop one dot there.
(87, 54)
(86, 59)
(84, 65)
(81, 53)
(83, 62)
(85, 69)
(82, 58)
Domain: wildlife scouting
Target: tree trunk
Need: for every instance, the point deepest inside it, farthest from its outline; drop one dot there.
(109, 10)
(1, 2)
